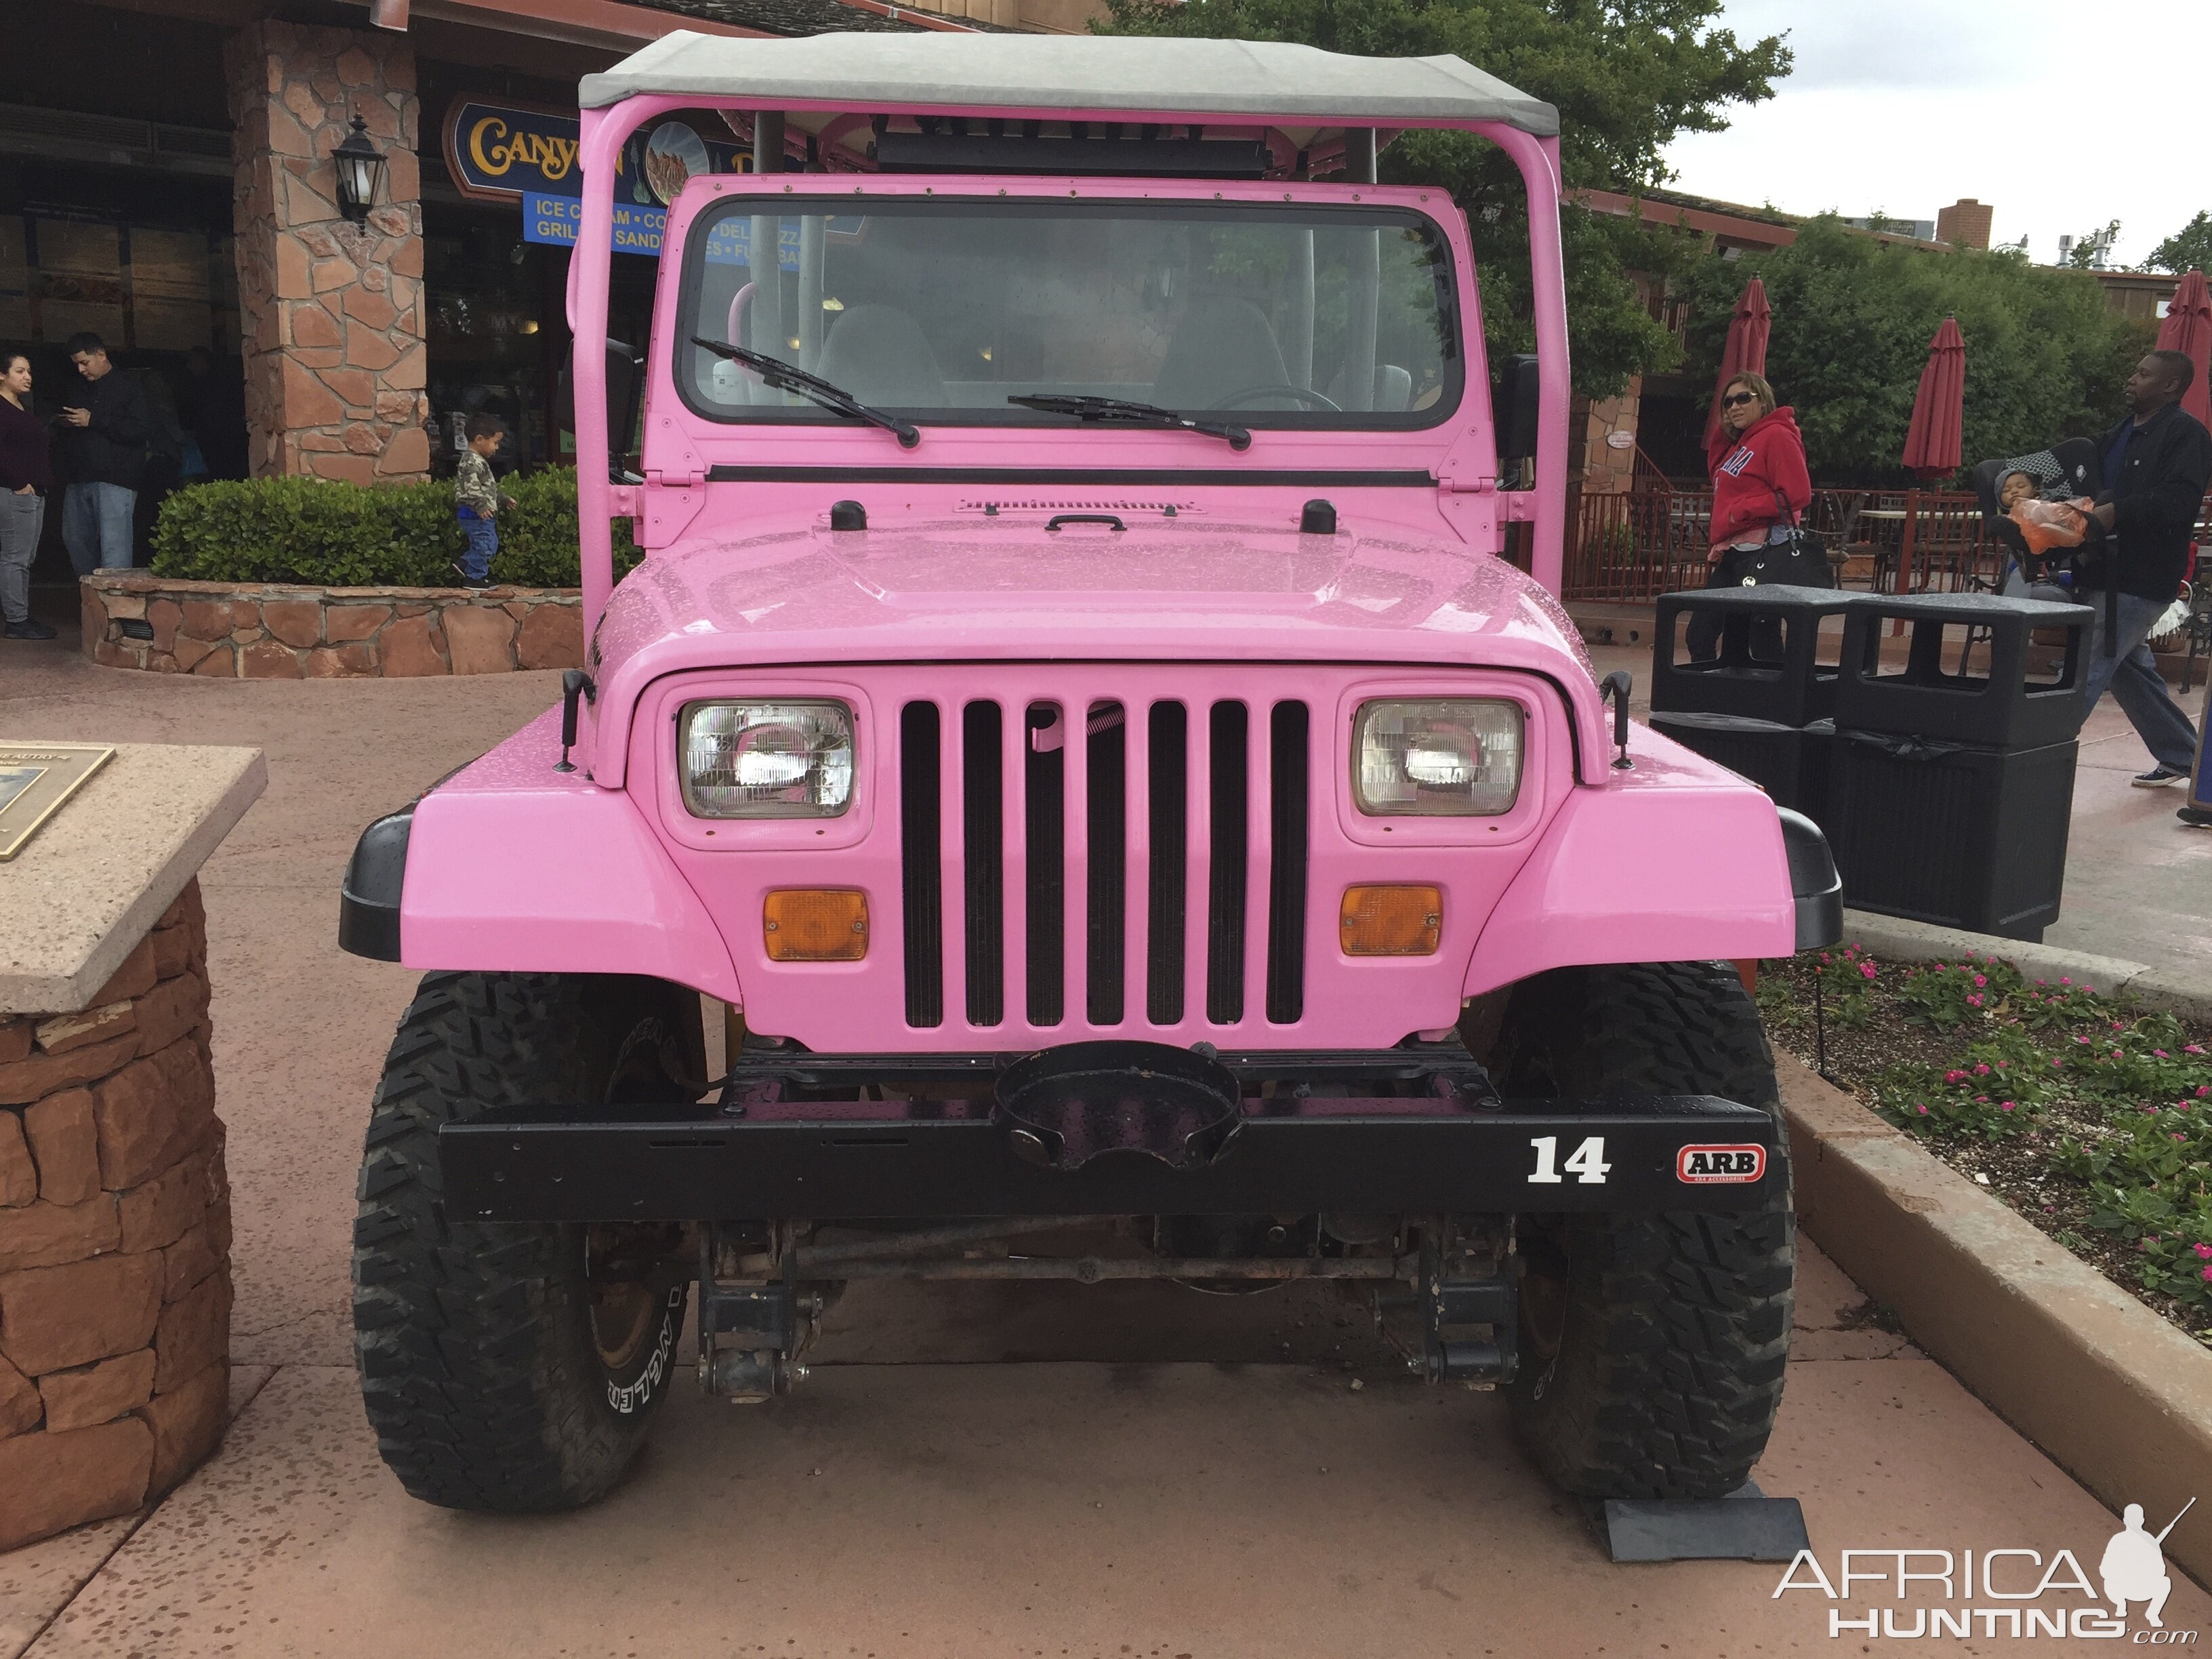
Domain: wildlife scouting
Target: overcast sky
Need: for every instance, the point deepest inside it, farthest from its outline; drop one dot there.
(2063, 116)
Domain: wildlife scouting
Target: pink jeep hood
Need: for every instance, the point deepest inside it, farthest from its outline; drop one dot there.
(972, 587)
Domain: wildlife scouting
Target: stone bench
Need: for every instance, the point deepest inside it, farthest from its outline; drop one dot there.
(114, 1208)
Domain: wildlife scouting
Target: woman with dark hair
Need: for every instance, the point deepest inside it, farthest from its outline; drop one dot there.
(1759, 487)
(26, 476)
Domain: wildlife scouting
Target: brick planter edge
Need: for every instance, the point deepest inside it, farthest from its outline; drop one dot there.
(289, 631)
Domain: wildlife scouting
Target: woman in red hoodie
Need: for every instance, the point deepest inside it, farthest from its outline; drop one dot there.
(1759, 487)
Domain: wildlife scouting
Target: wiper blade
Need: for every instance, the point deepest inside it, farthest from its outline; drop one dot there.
(1086, 408)
(789, 377)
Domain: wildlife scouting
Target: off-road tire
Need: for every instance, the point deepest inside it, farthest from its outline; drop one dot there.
(481, 1365)
(1668, 1334)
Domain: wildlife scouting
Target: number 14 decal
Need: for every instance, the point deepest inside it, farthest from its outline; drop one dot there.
(1586, 1163)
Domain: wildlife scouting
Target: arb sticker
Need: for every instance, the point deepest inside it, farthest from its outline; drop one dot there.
(1700, 1165)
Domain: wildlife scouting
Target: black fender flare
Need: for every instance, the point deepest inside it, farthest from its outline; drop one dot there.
(368, 898)
(1814, 883)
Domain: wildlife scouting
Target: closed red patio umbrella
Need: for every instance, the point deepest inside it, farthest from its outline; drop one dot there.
(1746, 351)
(1933, 441)
(2188, 329)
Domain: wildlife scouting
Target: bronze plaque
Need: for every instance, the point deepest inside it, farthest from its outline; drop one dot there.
(35, 780)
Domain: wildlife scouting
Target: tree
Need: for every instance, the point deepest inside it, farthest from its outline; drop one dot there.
(1627, 75)
(2188, 248)
(2046, 359)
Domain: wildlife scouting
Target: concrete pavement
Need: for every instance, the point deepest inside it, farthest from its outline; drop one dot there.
(972, 1470)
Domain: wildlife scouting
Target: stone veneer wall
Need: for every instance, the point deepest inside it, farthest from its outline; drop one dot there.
(115, 1243)
(331, 313)
(270, 631)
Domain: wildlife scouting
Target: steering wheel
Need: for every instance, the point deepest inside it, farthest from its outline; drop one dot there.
(1303, 394)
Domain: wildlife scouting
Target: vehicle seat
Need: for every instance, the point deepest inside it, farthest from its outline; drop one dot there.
(1223, 345)
(880, 355)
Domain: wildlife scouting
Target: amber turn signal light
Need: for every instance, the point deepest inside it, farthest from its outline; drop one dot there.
(816, 924)
(1390, 921)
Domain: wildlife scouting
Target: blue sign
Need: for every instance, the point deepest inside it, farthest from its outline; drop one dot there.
(559, 219)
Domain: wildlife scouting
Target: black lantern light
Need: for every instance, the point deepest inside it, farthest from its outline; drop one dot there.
(358, 167)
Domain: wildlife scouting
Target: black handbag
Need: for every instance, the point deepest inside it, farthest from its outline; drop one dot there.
(1801, 561)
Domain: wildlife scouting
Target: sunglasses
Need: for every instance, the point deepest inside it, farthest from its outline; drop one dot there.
(1736, 397)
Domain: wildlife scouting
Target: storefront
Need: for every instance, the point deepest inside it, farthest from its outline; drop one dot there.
(165, 181)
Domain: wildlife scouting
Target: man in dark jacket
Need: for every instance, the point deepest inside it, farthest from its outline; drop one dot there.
(105, 426)
(2158, 464)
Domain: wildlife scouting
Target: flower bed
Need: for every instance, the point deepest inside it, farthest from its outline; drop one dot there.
(2089, 1116)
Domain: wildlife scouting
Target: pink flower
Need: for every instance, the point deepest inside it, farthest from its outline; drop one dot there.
(2008, 1106)
(2043, 982)
(1824, 956)
(1981, 980)
(2203, 1252)
(2208, 1273)
(2193, 1048)
(2161, 1053)
(1923, 1111)
(2177, 1137)
(2204, 1090)
(1867, 970)
(2080, 1039)
(2001, 1065)
(1981, 1071)
(1954, 1076)
(1974, 1002)
(1982, 1099)
(2063, 979)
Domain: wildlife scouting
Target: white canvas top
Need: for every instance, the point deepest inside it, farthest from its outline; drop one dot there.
(1252, 79)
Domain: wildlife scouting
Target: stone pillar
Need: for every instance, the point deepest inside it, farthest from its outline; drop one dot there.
(1604, 468)
(114, 1242)
(331, 313)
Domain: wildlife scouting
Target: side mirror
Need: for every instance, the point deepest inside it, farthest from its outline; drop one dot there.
(1513, 408)
(623, 382)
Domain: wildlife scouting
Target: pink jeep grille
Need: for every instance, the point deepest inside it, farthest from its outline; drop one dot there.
(1180, 825)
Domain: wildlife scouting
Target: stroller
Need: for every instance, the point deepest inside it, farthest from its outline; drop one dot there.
(2068, 469)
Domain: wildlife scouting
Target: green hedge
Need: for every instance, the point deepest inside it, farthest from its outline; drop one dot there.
(341, 535)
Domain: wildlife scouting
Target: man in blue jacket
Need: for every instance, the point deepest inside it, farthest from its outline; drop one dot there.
(2158, 464)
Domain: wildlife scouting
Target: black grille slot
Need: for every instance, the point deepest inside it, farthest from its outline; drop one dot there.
(1106, 880)
(1229, 729)
(1044, 810)
(982, 810)
(1169, 785)
(920, 794)
(1286, 877)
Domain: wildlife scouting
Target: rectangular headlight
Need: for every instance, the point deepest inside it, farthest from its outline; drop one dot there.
(1436, 758)
(766, 760)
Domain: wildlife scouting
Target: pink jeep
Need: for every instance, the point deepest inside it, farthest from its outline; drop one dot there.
(1073, 721)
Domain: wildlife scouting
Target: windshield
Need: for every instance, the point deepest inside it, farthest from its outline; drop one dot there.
(1299, 315)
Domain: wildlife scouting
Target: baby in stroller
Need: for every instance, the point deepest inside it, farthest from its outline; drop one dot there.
(2038, 506)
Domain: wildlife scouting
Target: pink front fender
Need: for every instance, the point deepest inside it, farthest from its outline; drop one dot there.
(515, 868)
(1675, 860)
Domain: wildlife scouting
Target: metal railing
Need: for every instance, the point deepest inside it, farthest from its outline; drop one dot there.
(1633, 545)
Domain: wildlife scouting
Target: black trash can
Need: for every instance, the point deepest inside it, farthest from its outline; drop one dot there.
(1988, 697)
(1969, 836)
(1768, 667)
(1790, 762)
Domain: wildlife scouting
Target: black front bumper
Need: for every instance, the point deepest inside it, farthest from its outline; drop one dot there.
(879, 1160)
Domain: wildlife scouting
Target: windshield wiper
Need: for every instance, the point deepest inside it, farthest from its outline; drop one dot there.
(1116, 409)
(789, 377)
